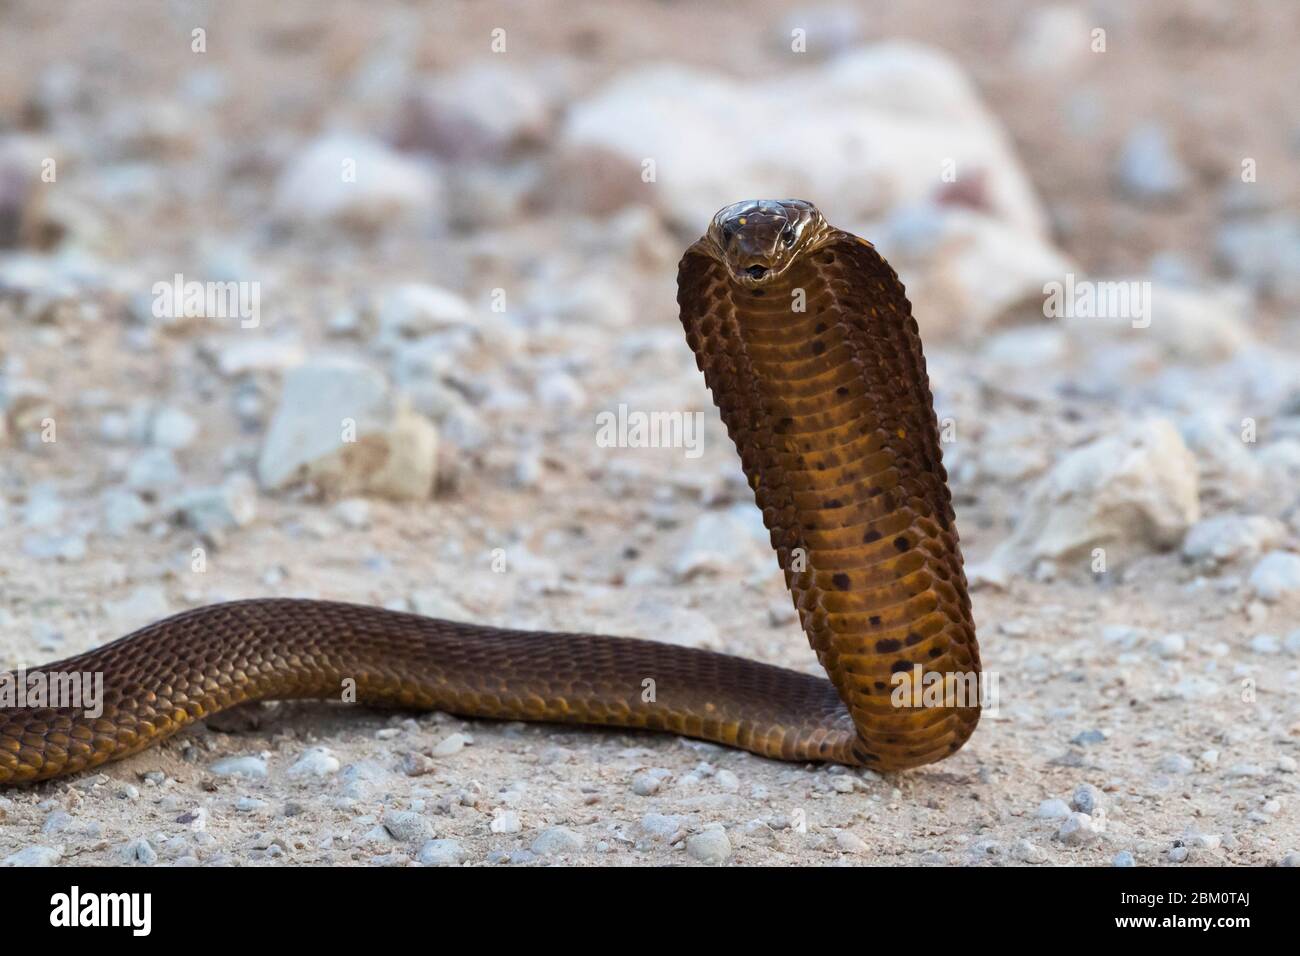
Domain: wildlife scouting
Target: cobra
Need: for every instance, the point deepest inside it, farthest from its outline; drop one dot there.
(808, 345)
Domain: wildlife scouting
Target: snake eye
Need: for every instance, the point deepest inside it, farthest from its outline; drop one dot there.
(787, 236)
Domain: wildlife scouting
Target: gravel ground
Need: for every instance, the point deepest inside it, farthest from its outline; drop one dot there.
(490, 282)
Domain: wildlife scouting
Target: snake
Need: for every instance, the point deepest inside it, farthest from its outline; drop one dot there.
(807, 343)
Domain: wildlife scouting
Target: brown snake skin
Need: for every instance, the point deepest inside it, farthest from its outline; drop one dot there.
(829, 406)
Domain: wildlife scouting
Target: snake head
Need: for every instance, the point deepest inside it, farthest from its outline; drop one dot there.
(757, 239)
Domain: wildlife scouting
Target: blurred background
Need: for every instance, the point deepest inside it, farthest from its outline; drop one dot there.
(456, 225)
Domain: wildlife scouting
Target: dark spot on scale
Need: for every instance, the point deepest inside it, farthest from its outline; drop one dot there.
(875, 620)
(901, 544)
(912, 638)
(818, 348)
(784, 424)
(870, 536)
(899, 666)
(936, 652)
(820, 328)
(757, 293)
(881, 685)
(887, 645)
(841, 581)
(842, 391)
(875, 490)
(833, 503)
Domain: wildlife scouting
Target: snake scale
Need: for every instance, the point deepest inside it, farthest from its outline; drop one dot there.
(808, 345)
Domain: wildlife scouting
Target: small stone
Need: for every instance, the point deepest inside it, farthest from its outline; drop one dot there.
(1177, 763)
(1053, 810)
(850, 842)
(1265, 644)
(649, 782)
(442, 853)
(1276, 576)
(34, 856)
(449, 745)
(139, 851)
(1077, 830)
(663, 826)
(1123, 858)
(1027, 852)
(407, 826)
(1177, 854)
(709, 846)
(1170, 646)
(506, 821)
(1087, 798)
(556, 840)
(1149, 169)
(315, 762)
(172, 428)
(252, 767)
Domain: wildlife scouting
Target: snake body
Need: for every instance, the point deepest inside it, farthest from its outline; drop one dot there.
(807, 343)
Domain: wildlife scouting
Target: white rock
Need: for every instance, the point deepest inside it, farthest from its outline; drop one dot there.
(172, 428)
(34, 856)
(413, 309)
(449, 745)
(247, 766)
(1053, 810)
(1224, 465)
(483, 112)
(1224, 538)
(1265, 644)
(124, 511)
(355, 181)
(1128, 492)
(230, 505)
(1276, 576)
(339, 426)
(153, 471)
(967, 272)
(864, 132)
(1149, 168)
(315, 762)
(1078, 829)
(721, 542)
(1054, 39)
(506, 821)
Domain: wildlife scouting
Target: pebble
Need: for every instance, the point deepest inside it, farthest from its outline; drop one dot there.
(662, 826)
(1177, 854)
(315, 762)
(1053, 810)
(1177, 763)
(1265, 644)
(1028, 852)
(1170, 646)
(1276, 576)
(506, 821)
(451, 744)
(710, 845)
(139, 851)
(1087, 798)
(442, 853)
(251, 767)
(407, 826)
(1123, 858)
(34, 856)
(172, 428)
(850, 842)
(1149, 168)
(556, 840)
(1078, 829)
(647, 783)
